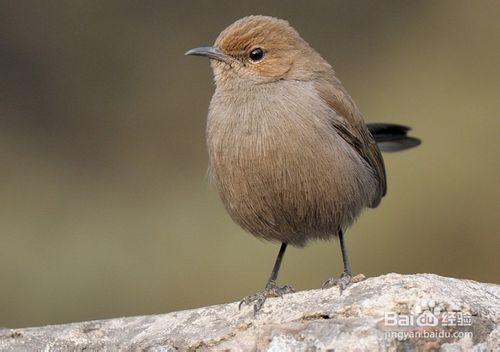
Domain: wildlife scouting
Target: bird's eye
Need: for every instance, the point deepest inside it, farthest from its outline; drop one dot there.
(256, 54)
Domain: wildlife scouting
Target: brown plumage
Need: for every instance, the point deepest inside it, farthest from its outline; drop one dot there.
(289, 152)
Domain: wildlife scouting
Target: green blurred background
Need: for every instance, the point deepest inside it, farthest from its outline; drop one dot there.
(105, 209)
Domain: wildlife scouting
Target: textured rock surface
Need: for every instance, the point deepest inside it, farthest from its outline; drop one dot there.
(304, 321)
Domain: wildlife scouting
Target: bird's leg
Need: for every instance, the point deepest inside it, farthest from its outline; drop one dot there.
(346, 277)
(271, 289)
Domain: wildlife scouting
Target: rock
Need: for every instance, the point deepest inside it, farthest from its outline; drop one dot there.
(372, 315)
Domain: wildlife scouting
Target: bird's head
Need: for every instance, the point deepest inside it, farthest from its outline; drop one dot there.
(261, 49)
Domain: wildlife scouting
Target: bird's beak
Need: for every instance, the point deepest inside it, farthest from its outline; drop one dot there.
(209, 51)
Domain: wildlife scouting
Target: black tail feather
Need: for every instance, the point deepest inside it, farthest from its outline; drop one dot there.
(392, 137)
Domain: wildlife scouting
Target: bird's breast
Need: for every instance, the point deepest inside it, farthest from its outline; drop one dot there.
(280, 168)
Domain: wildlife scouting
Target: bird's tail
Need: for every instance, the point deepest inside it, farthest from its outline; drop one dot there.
(391, 137)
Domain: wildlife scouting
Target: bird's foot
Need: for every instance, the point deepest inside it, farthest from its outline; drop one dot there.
(345, 280)
(271, 290)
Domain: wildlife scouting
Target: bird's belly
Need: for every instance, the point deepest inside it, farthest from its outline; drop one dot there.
(288, 186)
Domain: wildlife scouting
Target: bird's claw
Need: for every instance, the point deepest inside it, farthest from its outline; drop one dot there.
(343, 281)
(271, 290)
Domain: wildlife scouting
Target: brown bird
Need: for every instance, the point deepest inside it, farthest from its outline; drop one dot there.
(289, 152)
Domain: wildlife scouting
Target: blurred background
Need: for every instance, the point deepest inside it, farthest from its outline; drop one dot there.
(105, 209)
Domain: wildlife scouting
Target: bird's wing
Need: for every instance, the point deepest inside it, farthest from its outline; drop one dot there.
(351, 127)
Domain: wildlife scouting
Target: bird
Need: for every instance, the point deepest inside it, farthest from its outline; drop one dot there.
(289, 152)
